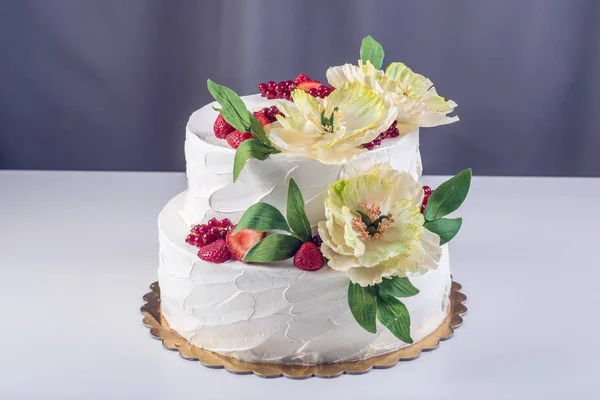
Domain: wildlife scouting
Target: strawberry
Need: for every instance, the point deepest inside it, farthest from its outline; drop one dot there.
(222, 128)
(301, 78)
(216, 252)
(262, 118)
(306, 86)
(242, 241)
(308, 257)
(236, 137)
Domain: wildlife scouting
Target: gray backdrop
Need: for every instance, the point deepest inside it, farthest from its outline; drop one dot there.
(109, 84)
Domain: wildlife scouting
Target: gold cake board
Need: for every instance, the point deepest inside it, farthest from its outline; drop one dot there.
(159, 329)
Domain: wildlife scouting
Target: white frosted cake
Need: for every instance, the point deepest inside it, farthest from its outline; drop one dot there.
(310, 240)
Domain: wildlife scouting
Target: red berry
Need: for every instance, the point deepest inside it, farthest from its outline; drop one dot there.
(271, 85)
(224, 223)
(263, 119)
(223, 233)
(317, 240)
(242, 241)
(301, 78)
(203, 229)
(214, 231)
(262, 88)
(308, 257)
(222, 128)
(290, 84)
(273, 111)
(281, 87)
(314, 92)
(215, 252)
(199, 241)
(190, 239)
(195, 229)
(212, 222)
(287, 95)
(208, 238)
(270, 94)
(236, 137)
(427, 190)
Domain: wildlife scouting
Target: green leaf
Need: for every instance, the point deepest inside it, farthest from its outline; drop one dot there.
(397, 286)
(296, 214)
(262, 217)
(258, 131)
(445, 228)
(233, 108)
(363, 304)
(448, 196)
(277, 247)
(248, 149)
(393, 314)
(371, 50)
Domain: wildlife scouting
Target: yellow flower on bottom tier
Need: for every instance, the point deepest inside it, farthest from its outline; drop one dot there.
(374, 227)
(331, 130)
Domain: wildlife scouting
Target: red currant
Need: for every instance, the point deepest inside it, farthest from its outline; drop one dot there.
(214, 231)
(224, 223)
(213, 222)
(317, 240)
(208, 238)
(198, 241)
(190, 239)
(427, 190)
(314, 92)
(223, 233)
(262, 87)
(271, 85)
(271, 94)
(281, 87)
(195, 229)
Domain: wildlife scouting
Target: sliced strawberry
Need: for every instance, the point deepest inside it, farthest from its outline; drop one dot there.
(217, 252)
(236, 137)
(262, 118)
(222, 128)
(301, 78)
(242, 241)
(306, 86)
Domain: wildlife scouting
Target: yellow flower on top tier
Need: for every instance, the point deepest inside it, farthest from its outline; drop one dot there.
(331, 130)
(414, 95)
(374, 227)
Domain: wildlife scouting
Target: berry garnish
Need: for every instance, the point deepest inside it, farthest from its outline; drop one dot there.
(427, 190)
(262, 118)
(198, 241)
(307, 85)
(262, 88)
(224, 223)
(236, 137)
(242, 241)
(308, 257)
(215, 252)
(317, 240)
(190, 239)
(212, 222)
(195, 230)
(390, 132)
(301, 78)
(208, 238)
(222, 128)
(426, 194)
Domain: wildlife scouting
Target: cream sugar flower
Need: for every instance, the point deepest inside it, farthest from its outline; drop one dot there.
(331, 130)
(374, 227)
(414, 95)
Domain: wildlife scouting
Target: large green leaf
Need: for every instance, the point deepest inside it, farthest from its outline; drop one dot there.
(233, 108)
(393, 314)
(248, 149)
(398, 286)
(445, 228)
(295, 212)
(262, 217)
(371, 50)
(363, 305)
(448, 196)
(277, 247)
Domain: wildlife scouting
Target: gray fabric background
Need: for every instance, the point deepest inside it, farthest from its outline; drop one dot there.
(109, 84)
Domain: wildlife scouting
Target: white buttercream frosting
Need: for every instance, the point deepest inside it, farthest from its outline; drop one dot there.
(210, 166)
(277, 313)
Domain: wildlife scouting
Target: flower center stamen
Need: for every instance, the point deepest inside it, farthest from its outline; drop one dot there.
(371, 224)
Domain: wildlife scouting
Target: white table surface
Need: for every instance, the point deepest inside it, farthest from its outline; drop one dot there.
(79, 249)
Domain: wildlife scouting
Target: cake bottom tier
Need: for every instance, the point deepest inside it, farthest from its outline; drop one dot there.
(275, 313)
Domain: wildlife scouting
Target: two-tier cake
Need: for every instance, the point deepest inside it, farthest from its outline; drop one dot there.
(304, 236)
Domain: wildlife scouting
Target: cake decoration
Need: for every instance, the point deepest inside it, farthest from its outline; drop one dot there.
(305, 236)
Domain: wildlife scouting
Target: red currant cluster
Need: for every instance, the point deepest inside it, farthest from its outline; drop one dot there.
(201, 235)
(321, 91)
(391, 132)
(281, 90)
(426, 193)
(270, 112)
